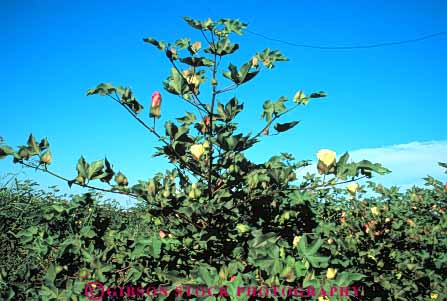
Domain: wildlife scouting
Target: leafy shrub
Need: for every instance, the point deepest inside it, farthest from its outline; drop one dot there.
(217, 218)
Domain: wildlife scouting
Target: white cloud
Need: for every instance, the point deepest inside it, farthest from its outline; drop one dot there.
(409, 162)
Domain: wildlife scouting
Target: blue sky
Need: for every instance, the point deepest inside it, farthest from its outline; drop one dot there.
(53, 51)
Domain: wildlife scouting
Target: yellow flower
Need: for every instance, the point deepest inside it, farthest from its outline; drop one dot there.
(197, 151)
(375, 210)
(434, 295)
(326, 159)
(196, 46)
(296, 241)
(331, 272)
(323, 298)
(352, 188)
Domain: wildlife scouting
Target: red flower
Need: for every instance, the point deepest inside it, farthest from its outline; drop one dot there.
(155, 105)
(206, 120)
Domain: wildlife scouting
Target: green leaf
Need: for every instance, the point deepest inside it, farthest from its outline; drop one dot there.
(282, 127)
(82, 168)
(32, 145)
(189, 118)
(95, 170)
(310, 252)
(5, 151)
(87, 232)
(182, 43)
(130, 101)
(159, 44)
(102, 89)
(156, 246)
(197, 61)
(194, 23)
(50, 276)
(43, 145)
(223, 47)
(318, 94)
(233, 25)
(175, 83)
(348, 278)
(108, 172)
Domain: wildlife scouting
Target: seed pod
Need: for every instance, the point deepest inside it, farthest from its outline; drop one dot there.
(166, 193)
(80, 180)
(46, 158)
(195, 193)
(121, 179)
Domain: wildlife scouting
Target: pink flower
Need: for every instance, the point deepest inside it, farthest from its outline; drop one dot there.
(155, 105)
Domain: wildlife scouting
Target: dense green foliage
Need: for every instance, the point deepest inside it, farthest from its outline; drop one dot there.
(52, 247)
(218, 218)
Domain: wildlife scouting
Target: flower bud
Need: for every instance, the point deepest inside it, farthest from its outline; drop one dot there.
(195, 193)
(152, 187)
(197, 151)
(186, 73)
(155, 105)
(121, 179)
(254, 61)
(166, 193)
(45, 158)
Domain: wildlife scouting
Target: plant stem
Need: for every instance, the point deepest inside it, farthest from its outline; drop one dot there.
(210, 130)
